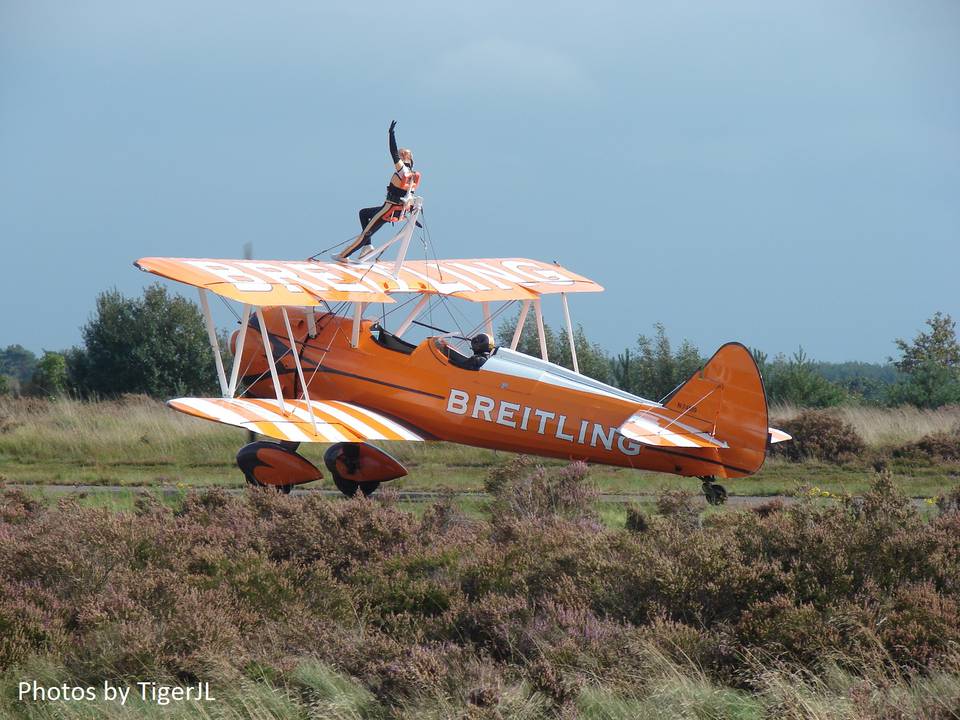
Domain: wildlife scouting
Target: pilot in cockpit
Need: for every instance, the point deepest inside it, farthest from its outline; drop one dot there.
(482, 346)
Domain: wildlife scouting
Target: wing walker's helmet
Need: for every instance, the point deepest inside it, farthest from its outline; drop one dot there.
(481, 344)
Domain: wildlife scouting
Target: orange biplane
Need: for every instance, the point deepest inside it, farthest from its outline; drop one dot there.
(309, 367)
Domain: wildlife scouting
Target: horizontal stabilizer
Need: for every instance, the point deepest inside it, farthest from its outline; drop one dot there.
(719, 417)
(653, 428)
(324, 421)
(778, 436)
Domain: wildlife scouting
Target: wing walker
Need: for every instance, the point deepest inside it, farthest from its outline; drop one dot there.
(310, 366)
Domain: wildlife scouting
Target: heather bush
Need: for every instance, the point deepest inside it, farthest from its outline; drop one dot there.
(539, 611)
(936, 447)
(680, 506)
(521, 489)
(819, 434)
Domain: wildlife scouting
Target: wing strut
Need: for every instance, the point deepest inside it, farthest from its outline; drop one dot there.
(417, 309)
(540, 330)
(214, 343)
(235, 372)
(355, 330)
(296, 361)
(573, 348)
(268, 351)
(517, 331)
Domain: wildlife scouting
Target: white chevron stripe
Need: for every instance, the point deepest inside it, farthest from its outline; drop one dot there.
(324, 427)
(213, 410)
(296, 425)
(652, 429)
(692, 430)
(284, 423)
(350, 421)
(395, 426)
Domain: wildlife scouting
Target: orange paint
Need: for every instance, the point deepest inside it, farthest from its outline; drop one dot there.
(491, 409)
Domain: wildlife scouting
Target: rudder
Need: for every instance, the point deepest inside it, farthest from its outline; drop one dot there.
(726, 399)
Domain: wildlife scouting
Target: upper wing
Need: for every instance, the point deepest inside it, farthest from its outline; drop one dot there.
(304, 283)
(335, 421)
(264, 283)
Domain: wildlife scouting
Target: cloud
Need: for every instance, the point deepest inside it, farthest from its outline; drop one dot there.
(497, 67)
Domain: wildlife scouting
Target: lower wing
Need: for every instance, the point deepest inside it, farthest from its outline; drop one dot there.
(324, 421)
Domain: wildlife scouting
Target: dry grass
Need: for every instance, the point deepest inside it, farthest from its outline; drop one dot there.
(138, 441)
(135, 429)
(886, 427)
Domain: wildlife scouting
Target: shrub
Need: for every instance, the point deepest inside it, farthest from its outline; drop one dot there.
(821, 435)
(943, 447)
(308, 592)
(523, 490)
(680, 506)
(636, 519)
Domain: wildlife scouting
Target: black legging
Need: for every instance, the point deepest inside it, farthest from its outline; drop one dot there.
(371, 220)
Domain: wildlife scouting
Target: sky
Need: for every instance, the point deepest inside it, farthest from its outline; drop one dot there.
(783, 174)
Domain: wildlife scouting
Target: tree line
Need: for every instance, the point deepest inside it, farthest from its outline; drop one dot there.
(157, 345)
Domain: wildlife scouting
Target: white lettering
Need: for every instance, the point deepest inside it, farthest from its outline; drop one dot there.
(445, 288)
(490, 274)
(544, 416)
(542, 274)
(242, 281)
(482, 405)
(335, 280)
(560, 433)
(361, 277)
(40, 693)
(627, 447)
(583, 430)
(278, 275)
(457, 402)
(389, 282)
(114, 693)
(606, 436)
(526, 416)
(505, 416)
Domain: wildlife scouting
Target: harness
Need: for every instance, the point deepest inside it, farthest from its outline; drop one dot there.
(408, 181)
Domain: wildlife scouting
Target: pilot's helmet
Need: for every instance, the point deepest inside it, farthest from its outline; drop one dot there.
(481, 344)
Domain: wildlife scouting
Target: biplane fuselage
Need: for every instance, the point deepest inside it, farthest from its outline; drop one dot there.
(513, 402)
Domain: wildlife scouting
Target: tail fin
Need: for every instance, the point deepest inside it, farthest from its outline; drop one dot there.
(719, 413)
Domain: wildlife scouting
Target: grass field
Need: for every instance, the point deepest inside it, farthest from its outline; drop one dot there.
(139, 442)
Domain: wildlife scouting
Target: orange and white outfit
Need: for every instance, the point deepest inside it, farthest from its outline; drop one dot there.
(403, 181)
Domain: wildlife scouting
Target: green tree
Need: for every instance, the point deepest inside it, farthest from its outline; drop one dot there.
(50, 375)
(654, 368)
(937, 347)
(931, 365)
(156, 344)
(795, 381)
(18, 363)
(4, 385)
(928, 385)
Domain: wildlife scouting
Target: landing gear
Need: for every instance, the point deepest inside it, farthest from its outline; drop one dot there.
(359, 466)
(715, 494)
(343, 459)
(276, 465)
